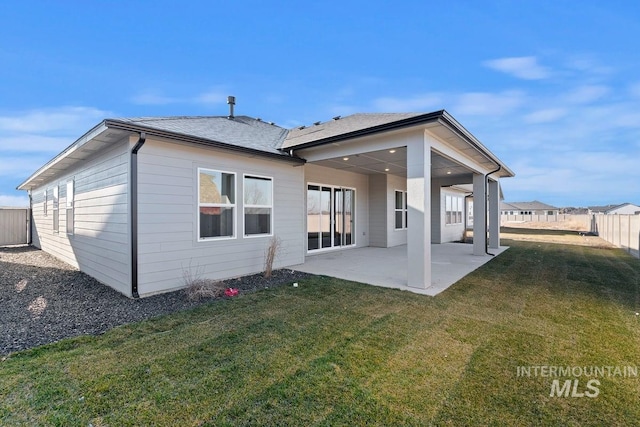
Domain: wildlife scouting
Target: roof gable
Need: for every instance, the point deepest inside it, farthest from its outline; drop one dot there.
(342, 126)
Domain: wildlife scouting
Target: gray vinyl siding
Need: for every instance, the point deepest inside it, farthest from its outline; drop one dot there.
(322, 175)
(437, 212)
(378, 210)
(168, 233)
(99, 245)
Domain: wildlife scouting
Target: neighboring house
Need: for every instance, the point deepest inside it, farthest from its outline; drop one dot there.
(623, 209)
(528, 208)
(139, 202)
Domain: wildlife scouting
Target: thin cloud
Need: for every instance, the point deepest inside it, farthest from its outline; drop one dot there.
(522, 67)
(14, 166)
(211, 97)
(14, 201)
(587, 94)
(545, 116)
(41, 133)
(34, 143)
(51, 120)
(634, 90)
(486, 103)
(578, 175)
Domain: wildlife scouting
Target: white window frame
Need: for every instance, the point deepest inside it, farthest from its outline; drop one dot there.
(454, 215)
(402, 209)
(44, 204)
(70, 213)
(55, 208)
(233, 205)
(246, 205)
(354, 232)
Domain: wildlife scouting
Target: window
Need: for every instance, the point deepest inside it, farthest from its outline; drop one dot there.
(70, 212)
(44, 203)
(454, 206)
(216, 204)
(401, 210)
(258, 205)
(56, 214)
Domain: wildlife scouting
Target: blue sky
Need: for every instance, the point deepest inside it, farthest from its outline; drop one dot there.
(551, 87)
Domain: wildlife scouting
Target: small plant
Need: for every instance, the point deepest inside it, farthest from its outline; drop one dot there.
(205, 288)
(197, 287)
(270, 255)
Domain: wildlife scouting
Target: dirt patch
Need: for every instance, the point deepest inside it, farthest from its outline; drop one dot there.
(570, 224)
(551, 235)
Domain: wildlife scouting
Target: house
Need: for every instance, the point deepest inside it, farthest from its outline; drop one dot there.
(528, 208)
(622, 209)
(138, 202)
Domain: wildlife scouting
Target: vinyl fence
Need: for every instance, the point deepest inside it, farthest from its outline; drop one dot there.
(14, 226)
(533, 218)
(620, 230)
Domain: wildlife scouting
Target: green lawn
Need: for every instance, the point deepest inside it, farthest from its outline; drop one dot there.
(332, 352)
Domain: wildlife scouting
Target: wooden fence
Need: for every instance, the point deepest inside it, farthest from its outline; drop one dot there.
(14, 226)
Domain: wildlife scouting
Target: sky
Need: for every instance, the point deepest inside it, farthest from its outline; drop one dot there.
(551, 87)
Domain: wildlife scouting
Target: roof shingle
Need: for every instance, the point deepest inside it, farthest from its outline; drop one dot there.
(241, 131)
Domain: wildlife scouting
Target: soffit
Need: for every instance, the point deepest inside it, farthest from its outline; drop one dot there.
(393, 162)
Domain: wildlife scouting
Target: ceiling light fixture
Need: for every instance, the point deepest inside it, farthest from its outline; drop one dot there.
(345, 158)
(448, 172)
(386, 169)
(392, 151)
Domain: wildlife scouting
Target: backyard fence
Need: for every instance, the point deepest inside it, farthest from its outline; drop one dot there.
(533, 218)
(14, 226)
(620, 230)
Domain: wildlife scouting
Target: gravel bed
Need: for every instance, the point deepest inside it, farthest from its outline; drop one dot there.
(43, 299)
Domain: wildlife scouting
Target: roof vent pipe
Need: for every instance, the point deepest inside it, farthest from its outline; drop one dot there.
(231, 100)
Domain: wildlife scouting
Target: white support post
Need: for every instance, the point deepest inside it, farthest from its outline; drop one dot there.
(494, 215)
(479, 215)
(419, 213)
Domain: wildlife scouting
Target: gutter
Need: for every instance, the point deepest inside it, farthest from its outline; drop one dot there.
(134, 214)
(486, 211)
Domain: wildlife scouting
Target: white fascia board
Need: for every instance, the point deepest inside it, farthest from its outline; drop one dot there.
(475, 143)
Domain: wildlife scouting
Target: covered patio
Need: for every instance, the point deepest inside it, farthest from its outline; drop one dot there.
(387, 267)
(411, 176)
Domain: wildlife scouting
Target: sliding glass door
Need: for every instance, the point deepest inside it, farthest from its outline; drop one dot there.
(330, 217)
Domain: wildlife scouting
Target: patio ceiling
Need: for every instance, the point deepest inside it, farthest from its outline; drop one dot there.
(394, 162)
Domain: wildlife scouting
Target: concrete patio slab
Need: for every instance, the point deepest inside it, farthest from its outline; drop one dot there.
(387, 267)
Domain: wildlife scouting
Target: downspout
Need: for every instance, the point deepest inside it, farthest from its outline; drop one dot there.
(30, 220)
(486, 211)
(134, 214)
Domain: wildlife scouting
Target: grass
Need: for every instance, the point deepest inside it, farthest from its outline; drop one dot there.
(331, 352)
